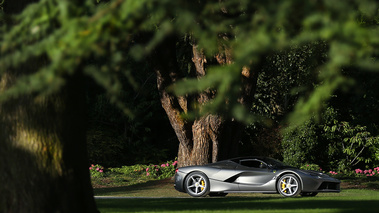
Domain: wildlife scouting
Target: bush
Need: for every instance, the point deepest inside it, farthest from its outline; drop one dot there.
(96, 170)
(367, 172)
(332, 144)
(356, 174)
(162, 171)
(313, 167)
(301, 145)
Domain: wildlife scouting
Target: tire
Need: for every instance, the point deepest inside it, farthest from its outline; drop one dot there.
(289, 185)
(308, 194)
(197, 184)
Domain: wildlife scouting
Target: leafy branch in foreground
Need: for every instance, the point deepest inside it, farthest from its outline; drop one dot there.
(71, 36)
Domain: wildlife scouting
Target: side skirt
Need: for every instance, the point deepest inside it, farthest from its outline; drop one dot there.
(263, 192)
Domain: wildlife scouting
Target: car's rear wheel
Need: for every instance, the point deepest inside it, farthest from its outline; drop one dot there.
(197, 184)
(289, 185)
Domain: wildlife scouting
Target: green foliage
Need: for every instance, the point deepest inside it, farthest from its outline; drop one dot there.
(354, 142)
(131, 175)
(96, 171)
(301, 145)
(311, 166)
(333, 144)
(134, 170)
(165, 170)
(286, 76)
(70, 36)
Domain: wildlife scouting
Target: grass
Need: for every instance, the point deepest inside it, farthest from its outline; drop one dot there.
(133, 190)
(152, 188)
(353, 200)
(160, 196)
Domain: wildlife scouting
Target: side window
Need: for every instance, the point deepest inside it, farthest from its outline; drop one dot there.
(253, 164)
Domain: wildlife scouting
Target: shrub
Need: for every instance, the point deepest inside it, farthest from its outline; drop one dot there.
(301, 145)
(165, 170)
(96, 170)
(332, 144)
(132, 171)
(162, 171)
(313, 167)
(367, 172)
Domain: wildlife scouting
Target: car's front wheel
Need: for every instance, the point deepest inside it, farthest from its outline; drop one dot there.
(197, 184)
(289, 185)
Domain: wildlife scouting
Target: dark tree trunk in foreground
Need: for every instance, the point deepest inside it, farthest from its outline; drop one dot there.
(208, 138)
(43, 153)
(43, 156)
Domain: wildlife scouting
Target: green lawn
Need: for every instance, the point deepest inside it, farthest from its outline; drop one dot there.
(352, 200)
(160, 196)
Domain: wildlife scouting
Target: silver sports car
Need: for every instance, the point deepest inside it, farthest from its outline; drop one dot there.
(252, 174)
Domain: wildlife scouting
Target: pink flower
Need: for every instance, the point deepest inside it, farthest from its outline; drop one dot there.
(358, 171)
(147, 174)
(175, 162)
(97, 169)
(147, 169)
(100, 170)
(163, 165)
(167, 164)
(90, 168)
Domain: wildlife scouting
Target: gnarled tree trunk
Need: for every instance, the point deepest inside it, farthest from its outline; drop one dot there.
(208, 138)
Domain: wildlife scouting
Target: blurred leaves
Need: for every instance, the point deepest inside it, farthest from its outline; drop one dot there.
(96, 38)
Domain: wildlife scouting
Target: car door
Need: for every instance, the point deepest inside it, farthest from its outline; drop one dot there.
(255, 175)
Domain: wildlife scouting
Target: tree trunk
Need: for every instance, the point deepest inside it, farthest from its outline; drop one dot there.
(208, 138)
(43, 156)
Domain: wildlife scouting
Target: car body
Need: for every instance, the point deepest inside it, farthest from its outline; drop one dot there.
(252, 174)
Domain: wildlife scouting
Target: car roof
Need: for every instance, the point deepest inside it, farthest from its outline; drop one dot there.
(237, 160)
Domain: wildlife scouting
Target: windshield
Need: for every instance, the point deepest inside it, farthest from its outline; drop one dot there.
(269, 161)
(276, 163)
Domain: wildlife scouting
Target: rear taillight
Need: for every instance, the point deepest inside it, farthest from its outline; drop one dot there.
(176, 170)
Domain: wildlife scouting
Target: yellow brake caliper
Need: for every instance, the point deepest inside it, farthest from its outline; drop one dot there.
(284, 185)
(203, 185)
